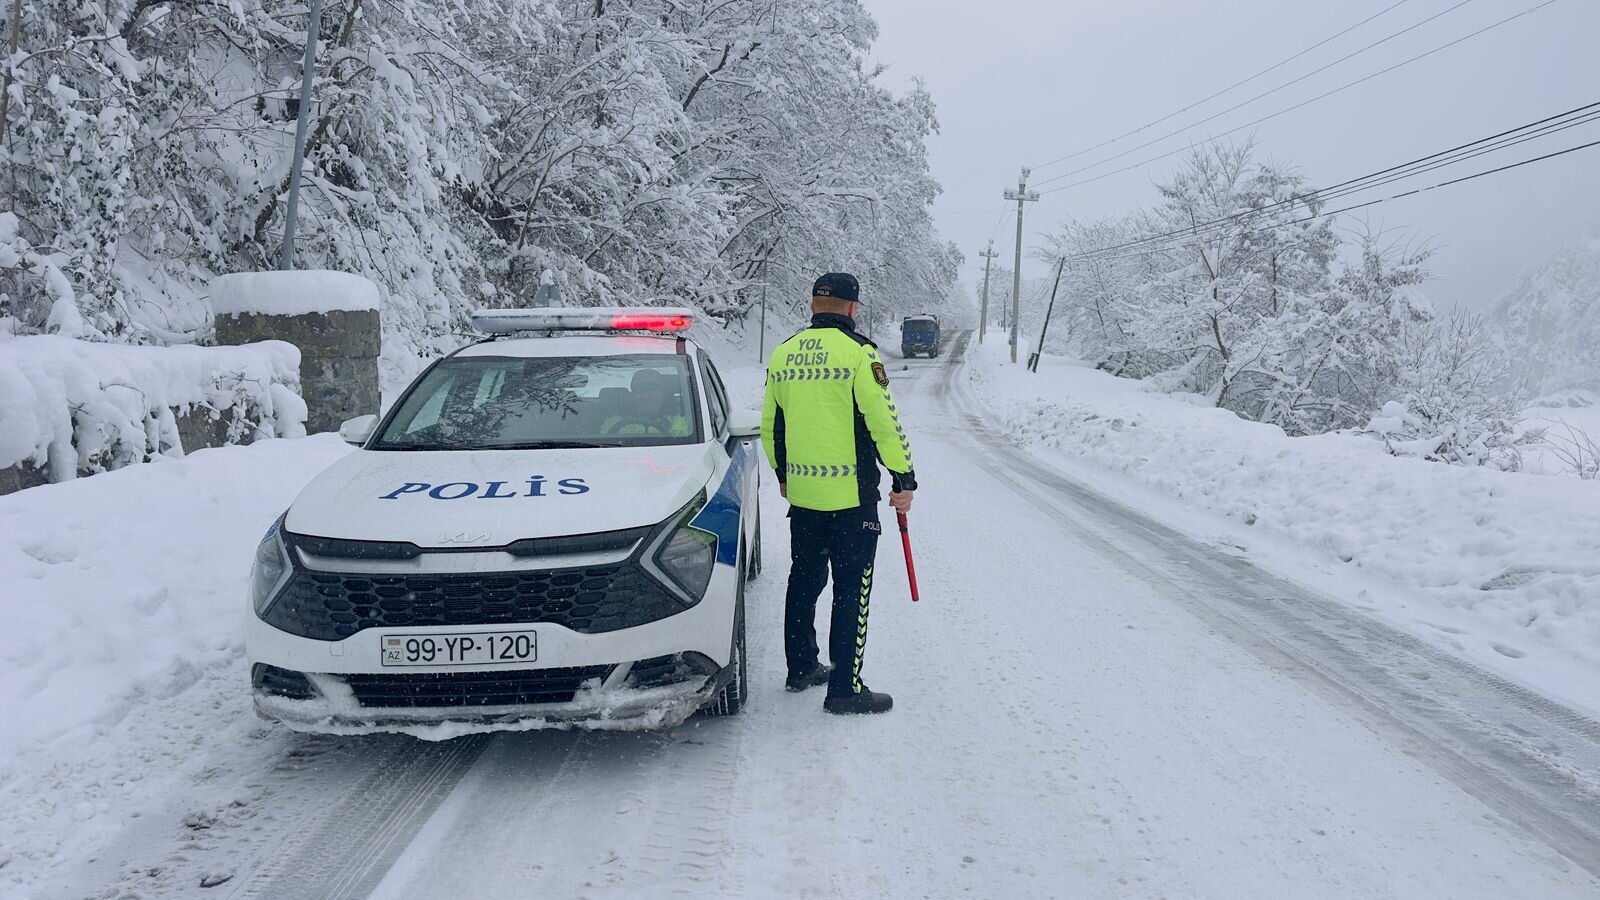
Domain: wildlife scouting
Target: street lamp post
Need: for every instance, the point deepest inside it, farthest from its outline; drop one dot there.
(308, 73)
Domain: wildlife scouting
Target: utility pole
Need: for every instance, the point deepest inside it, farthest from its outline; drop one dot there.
(1021, 195)
(1033, 359)
(762, 356)
(292, 211)
(983, 318)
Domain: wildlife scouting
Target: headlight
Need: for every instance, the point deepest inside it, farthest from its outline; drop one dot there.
(271, 568)
(687, 554)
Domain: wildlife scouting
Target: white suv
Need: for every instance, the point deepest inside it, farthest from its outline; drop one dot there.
(552, 525)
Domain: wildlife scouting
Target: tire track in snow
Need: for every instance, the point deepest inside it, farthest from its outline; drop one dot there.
(358, 838)
(250, 826)
(1532, 760)
(684, 850)
(616, 811)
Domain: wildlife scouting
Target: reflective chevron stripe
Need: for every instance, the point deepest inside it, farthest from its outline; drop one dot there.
(905, 442)
(812, 374)
(861, 630)
(806, 471)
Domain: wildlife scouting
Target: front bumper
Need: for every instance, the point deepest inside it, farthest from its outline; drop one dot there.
(602, 698)
(609, 703)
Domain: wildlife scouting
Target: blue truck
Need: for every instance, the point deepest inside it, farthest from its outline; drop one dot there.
(919, 334)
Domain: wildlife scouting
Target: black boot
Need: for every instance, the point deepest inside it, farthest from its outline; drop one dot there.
(819, 674)
(865, 701)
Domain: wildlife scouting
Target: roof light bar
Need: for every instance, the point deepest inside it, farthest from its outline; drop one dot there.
(667, 319)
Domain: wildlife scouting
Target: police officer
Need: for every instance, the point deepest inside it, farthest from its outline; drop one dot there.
(827, 421)
(648, 395)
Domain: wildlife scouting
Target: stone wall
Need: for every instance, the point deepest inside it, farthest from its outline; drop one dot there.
(338, 358)
(76, 408)
(198, 428)
(22, 475)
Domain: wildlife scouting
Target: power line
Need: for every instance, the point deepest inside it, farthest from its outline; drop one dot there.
(1091, 257)
(1509, 138)
(1244, 103)
(1141, 246)
(1289, 109)
(1503, 144)
(995, 231)
(1274, 67)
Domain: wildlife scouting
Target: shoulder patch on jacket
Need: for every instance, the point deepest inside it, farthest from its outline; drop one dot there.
(880, 375)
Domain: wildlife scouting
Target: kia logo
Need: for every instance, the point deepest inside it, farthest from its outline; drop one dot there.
(465, 538)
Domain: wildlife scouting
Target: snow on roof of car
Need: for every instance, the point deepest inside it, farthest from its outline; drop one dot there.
(573, 345)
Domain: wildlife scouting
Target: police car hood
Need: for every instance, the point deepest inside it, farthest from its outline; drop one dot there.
(489, 498)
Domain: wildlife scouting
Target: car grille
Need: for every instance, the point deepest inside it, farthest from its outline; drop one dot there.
(331, 606)
(505, 688)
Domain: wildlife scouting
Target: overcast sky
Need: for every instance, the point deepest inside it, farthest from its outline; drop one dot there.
(1022, 82)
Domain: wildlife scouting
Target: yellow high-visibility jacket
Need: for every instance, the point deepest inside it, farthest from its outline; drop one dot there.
(828, 418)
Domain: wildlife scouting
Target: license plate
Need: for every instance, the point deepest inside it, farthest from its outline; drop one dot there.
(484, 648)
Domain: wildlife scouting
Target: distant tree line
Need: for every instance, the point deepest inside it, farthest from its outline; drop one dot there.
(1281, 317)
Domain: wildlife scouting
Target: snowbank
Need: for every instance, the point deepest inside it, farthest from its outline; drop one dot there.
(77, 408)
(120, 593)
(1517, 554)
(113, 587)
(293, 293)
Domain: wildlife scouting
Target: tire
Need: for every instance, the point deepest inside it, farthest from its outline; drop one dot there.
(753, 564)
(730, 700)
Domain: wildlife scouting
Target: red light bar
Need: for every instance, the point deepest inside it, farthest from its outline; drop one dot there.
(611, 318)
(649, 323)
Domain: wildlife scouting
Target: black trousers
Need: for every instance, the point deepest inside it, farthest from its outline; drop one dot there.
(846, 541)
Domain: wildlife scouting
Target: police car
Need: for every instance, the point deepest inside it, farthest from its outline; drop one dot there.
(553, 524)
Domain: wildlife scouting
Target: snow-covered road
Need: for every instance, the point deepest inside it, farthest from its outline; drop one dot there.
(1089, 704)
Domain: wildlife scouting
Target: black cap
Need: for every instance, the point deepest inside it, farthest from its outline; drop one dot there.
(837, 285)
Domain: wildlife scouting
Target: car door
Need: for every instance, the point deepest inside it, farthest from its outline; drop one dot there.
(742, 454)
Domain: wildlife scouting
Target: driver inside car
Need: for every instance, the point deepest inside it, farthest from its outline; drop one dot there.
(647, 412)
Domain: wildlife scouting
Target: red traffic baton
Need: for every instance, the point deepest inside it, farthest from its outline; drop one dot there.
(905, 542)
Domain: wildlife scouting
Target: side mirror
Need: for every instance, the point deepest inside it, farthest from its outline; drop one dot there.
(744, 423)
(356, 431)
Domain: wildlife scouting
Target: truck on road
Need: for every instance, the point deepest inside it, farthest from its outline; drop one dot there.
(919, 334)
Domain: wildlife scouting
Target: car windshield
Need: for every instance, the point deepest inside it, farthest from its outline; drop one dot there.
(922, 326)
(514, 403)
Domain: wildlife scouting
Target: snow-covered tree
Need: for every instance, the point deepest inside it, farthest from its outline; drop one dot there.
(647, 151)
(1337, 351)
(1452, 401)
(1552, 319)
(1223, 292)
(1238, 292)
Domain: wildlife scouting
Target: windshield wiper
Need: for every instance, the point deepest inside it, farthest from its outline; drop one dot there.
(553, 445)
(528, 445)
(412, 447)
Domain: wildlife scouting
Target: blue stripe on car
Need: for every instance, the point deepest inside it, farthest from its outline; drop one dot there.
(720, 515)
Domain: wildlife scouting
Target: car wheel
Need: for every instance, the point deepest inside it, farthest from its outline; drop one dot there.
(731, 699)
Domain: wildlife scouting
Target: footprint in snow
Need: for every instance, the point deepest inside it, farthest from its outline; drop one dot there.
(1505, 650)
(50, 555)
